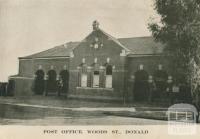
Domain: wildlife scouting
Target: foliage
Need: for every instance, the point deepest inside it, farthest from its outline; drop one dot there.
(179, 30)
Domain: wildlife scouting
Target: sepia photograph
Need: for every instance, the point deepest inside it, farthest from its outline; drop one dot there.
(100, 63)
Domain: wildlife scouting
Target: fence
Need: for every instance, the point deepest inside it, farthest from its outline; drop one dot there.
(3, 88)
(7, 88)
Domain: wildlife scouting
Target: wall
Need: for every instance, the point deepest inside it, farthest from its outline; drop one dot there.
(110, 49)
(28, 67)
(150, 65)
(22, 86)
(46, 64)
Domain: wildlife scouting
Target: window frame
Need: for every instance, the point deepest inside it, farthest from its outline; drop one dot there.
(96, 84)
(84, 83)
(109, 77)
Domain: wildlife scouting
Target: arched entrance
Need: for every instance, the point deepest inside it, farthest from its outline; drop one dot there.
(141, 87)
(38, 87)
(63, 82)
(51, 86)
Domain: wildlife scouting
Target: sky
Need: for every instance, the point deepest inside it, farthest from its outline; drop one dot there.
(30, 26)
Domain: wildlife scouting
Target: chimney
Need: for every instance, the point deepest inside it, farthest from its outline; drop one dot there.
(95, 25)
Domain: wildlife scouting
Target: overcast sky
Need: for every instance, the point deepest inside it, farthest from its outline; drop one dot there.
(29, 26)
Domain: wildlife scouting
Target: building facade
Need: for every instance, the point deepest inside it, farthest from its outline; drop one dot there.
(98, 67)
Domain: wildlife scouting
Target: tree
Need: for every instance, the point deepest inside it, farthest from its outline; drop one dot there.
(179, 30)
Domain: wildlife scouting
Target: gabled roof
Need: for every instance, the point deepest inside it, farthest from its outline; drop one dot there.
(135, 46)
(115, 40)
(142, 45)
(109, 37)
(58, 51)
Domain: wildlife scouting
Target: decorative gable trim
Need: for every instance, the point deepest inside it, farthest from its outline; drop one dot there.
(109, 37)
(114, 39)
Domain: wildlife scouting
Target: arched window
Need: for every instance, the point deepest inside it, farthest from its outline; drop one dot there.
(96, 79)
(108, 81)
(83, 80)
(83, 75)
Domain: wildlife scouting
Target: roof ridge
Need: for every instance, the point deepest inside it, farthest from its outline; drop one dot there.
(115, 40)
(52, 48)
(137, 45)
(136, 37)
(39, 52)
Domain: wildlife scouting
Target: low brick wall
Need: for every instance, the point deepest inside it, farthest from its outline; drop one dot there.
(97, 93)
(23, 86)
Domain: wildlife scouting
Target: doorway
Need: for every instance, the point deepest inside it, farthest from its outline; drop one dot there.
(141, 86)
(51, 86)
(39, 84)
(63, 82)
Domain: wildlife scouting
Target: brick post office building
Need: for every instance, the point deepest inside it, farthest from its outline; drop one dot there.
(98, 67)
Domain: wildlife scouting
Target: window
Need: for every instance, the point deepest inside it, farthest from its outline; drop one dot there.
(96, 79)
(108, 81)
(83, 60)
(108, 60)
(95, 60)
(83, 80)
(160, 67)
(108, 77)
(141, 67)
